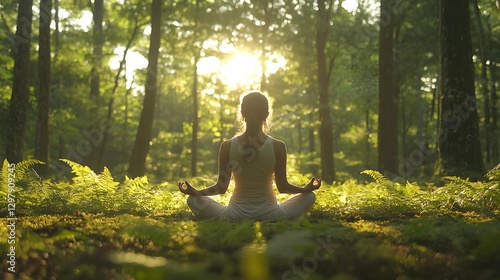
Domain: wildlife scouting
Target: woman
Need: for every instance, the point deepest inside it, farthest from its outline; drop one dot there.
(253, 157)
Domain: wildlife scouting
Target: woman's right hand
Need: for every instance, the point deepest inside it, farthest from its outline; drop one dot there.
(313, 185)
(186, 188)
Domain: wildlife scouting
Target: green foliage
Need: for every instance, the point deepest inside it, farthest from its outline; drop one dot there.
(87, 192)
(100, 228)
(378, 177)
(17, 173)
(21, 170)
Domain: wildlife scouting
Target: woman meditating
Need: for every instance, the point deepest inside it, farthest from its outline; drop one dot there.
(252, 157)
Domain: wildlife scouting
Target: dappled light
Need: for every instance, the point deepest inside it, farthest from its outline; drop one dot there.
(369, 230)
(249, 139)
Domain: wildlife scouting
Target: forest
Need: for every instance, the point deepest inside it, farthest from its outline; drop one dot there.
(84, 85)
(106, 105)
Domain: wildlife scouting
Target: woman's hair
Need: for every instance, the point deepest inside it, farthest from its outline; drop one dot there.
(254, 109)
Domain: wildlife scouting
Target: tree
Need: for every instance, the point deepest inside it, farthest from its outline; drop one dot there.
(137, 165)
(483, 54)
(388, 105)
(325, 130)
(16, 123)
(98, 40)
(194, 93)
(97, 9)
(43, 98)
(459, 147)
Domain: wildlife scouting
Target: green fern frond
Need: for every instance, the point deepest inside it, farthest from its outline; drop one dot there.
(494, 173)
(21, 168)
(4, 177)
(83, 174)
(105, 179)
(378, 177)
(138, 182)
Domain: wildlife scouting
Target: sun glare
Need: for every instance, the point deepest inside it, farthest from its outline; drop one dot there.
(350, 5)
(134, 61)
(241, 70)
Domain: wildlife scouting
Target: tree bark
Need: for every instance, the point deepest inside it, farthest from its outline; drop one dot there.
(483, 49)
(458, 139)
(43, 98)
(137, 165)
(388, 103)
(19, 101)
(325, 130)
(194, 93)
(194, 136)
(494, 113)
(98, 40)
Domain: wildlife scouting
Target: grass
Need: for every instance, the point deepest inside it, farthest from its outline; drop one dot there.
(356, 230)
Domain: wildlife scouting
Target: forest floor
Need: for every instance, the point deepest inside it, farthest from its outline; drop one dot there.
(93, 227)
(322, 245)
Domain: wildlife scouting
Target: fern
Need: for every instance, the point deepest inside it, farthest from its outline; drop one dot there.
(105, 180)
(379, 178)
(4, 177)
(494, 174)
(138, 182)
(90, 191)
(466, 195)
(21, 169)
(83, 174)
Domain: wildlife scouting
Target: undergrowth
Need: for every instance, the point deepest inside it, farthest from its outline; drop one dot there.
(95, 227)
(94, 193)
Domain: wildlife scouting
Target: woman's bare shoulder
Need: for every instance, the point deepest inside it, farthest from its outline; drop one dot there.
(279, 144)
(226, 144)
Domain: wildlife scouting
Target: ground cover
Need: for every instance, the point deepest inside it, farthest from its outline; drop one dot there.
(91, 227)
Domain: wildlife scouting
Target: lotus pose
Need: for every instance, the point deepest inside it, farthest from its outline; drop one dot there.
(252, 157)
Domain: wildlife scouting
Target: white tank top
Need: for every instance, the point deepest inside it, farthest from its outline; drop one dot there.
(253, 171)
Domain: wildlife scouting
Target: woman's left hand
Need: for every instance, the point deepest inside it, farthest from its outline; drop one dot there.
(313, 185)
(186, 188)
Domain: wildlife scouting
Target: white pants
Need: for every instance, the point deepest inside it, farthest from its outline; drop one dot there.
(205, 207)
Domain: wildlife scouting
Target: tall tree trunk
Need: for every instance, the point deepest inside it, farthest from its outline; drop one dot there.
(19, 101)
(137, 165)
(95, 81)
(325, 130)
(43, 98)
(194, 93)
(98, 40)
(57, 42)
(459, 147)
(388, 104)
(494, 113)
(484, 83)
(493, 70)
(196, 118)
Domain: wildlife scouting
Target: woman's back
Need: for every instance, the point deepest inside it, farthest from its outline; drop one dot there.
(253, 170)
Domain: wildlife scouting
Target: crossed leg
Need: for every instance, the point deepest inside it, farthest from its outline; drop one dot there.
(297, 205)
(205, 207)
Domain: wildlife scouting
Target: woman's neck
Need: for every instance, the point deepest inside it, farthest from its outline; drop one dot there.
(253, 130)
(253, 138)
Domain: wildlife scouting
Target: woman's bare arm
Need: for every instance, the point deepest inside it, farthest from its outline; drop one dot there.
(280, 176)
(224, 176)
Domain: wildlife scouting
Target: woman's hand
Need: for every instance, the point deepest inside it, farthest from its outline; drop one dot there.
(186, 188)
(313, 185)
